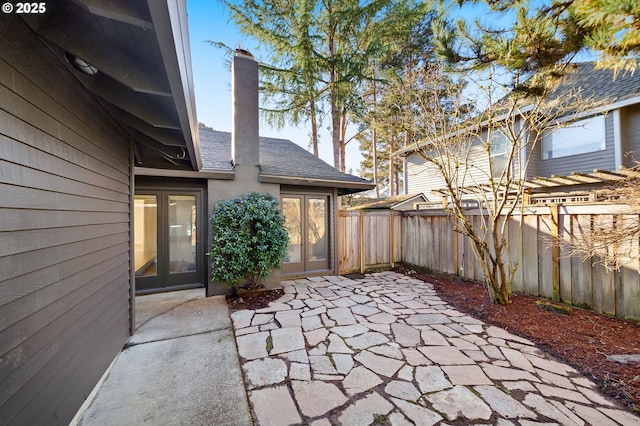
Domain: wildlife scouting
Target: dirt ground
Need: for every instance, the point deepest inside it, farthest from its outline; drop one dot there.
(582, 339)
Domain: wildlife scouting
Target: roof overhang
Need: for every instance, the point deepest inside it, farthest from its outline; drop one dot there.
(141, 60)
(344, 187)
(188, 174)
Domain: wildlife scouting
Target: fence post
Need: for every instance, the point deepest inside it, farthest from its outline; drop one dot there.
(362, 241)
(456, 261)
(555, 251)
(392, 242)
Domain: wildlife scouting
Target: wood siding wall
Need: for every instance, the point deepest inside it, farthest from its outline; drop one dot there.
(428, 240)
(64, 234)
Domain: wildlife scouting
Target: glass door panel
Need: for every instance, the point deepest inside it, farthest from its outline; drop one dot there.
(168, 239)
(317, 221)
(146, 235)
(182, 233)
(292, 211)
(307, 220)
(293, 219)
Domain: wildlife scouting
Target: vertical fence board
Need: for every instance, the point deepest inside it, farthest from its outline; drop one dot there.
(530, 254)
(596, 285)
(606, 278)
(631, 277)
(582, 286)
(477, 270)
(565, 259)
(545, 260)
(515, 247)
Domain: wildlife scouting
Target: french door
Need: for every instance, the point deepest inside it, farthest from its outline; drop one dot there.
(307, 218)
(168, 239)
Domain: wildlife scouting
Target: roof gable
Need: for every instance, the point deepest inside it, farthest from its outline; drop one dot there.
(279, 158)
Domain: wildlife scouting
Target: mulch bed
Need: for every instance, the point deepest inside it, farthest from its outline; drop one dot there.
(582, 339)
(258, 301)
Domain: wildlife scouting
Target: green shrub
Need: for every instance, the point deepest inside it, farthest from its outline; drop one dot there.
(249, 240)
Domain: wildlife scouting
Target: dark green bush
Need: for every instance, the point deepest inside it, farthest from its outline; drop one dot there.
(249, 240)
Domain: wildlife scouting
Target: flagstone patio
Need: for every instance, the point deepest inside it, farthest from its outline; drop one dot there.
(386, 349)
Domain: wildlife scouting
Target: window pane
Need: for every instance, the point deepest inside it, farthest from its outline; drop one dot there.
(182, 233)
(145, 237)
(498, 143)
(317, 211)
(578, 138)
(498, 152)
(292, 216)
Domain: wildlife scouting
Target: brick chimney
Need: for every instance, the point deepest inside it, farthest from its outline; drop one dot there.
(244, 89)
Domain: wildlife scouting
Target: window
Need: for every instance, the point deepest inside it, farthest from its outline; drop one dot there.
(498, 152)
(579, 137)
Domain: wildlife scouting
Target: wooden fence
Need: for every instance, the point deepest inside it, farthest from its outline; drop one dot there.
(367, 240)
(427, 239)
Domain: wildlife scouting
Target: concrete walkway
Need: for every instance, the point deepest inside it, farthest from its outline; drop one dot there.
(180, 368)
(387, 350)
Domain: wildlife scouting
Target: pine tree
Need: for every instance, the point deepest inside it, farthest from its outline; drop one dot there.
(318, 53)
(543, 39)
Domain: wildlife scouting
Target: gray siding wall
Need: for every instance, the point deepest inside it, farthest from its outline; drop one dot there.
(532, 157)
(630, 135)
(64, 234)
(422, 177)
(586, 163)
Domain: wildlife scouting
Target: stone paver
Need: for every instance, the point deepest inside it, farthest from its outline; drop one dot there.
(274, 406)
(385, 349)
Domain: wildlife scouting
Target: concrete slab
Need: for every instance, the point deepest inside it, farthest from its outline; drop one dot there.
(151, 305)
(185, 318)
(187, 380)
(182, 367)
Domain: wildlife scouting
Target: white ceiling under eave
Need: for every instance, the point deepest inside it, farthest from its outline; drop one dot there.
(144, 79)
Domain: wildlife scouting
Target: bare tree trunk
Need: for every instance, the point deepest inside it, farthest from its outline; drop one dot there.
(314, 128)
(374, 139)
(343, 143)
(335, 112)
(335, 130)
(392, 169)
(374, 143)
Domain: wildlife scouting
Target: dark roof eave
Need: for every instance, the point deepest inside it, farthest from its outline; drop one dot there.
(344, 187)
(171, 29)
(202, 174)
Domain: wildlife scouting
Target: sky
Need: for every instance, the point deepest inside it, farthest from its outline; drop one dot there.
(208, 20)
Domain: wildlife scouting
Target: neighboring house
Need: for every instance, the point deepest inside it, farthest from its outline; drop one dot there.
(98, 125)
(606, 138)
(397, 202)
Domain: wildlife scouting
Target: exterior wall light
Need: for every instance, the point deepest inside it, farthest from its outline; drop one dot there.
(81, 64)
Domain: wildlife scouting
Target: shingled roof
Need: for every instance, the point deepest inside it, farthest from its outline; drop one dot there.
(281, 161)
(599, 84)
